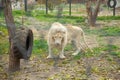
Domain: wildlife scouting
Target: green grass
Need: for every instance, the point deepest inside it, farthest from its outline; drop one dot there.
(4, 43)
(113, 50)
(105, 31)
(1, 14)
(96, 52)
(40, 15)
(109, 49)
(40, 46)
(18, 12)
(51, 17)
(103, 18)
(68, 47)
(110, 31)
(4, 30)
(4, 46)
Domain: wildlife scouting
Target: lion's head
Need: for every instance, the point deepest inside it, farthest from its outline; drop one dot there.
(58, 38)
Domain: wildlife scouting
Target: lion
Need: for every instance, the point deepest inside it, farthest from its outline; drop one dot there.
(77, 37)
(57, 39)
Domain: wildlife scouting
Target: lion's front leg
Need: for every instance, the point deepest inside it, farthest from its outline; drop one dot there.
(50, 52)
(61, 55)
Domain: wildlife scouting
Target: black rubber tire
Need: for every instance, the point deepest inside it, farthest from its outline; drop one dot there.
(114, 3)
(23, 43)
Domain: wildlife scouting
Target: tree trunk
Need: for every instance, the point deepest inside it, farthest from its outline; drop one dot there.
(70, 7)
(25, 4)
(92, 14)
(46, 3)
(60, 9)
(14, 62)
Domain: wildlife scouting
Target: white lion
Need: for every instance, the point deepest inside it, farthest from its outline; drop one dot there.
(57, 38)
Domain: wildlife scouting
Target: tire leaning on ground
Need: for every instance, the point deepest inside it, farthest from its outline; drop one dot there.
(23, 43)
(114, 3)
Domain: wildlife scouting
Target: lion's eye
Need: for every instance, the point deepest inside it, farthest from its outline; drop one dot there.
(64, 32)
(60, 36)
(55, 36)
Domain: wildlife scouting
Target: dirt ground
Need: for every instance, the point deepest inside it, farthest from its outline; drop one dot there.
(84, 68)
(40, 68)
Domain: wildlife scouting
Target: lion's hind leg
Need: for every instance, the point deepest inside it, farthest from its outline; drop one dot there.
(78, 47)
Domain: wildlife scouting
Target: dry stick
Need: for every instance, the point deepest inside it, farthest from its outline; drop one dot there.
(22, 17)
(56, 59)
(88, 67)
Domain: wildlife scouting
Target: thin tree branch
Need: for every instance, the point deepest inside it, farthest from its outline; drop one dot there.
(97, 8)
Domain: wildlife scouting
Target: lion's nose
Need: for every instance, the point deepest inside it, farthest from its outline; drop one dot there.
(57, 44)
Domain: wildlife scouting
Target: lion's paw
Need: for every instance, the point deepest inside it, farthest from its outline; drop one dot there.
(62, 56)
(49, 56)
(74, 54)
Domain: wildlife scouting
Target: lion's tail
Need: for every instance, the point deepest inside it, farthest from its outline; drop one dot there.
(86, 42)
